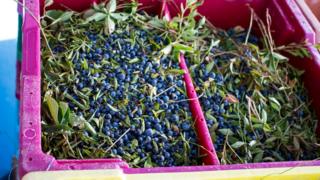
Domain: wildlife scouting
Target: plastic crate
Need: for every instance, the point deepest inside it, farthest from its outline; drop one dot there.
(311, 9)
(31, 84)
(289, 25)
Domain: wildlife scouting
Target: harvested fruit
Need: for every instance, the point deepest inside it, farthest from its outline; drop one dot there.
(254, 101)
(114, 93)
(112, 87)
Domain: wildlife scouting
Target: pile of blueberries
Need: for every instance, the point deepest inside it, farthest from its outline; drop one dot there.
(213, 102)
(222, 114)
(143, 104)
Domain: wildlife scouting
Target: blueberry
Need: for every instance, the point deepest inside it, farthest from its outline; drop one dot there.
(216, 107)
(212, 75)
(161, 158)
(113, 94)
(114, 151)
(149, 146)
(170, 133)
(149, 132)
(148, 139)
(80, 85)
(99, 50)
(175, 118)
(96, 75)
(139, 112)
(158, 127)
(164, 106)
(221, 111)
(170, 78)
(142, 155)
(180, 83)
(122, 76)
(210, 122)
(166, 154)
(185, 126)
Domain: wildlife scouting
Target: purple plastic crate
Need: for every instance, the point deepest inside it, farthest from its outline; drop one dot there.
(288, 25)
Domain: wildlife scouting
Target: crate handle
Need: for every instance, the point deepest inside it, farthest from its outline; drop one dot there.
(31, 39)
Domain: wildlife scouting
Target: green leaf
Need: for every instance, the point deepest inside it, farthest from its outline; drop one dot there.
(264, 116)
(271, 139)
(48, 3)
(181, 47)
(63, 17)
(134, 60)
(54, 14)
(191, 2)
(53, 108)
(148, 163)
(64, 107)
(155, 146)
(110, 25)
(176, 71)
(258, 157)
(209, 66)
(279, 56)
(97, 16)
(115, 83)
(134, 143)
(202, 21)
(85, 64)
(119, 16)
(226, 132)
(81, 106)
(60, 116)
(237, 144)
(156, 23)
(113, 108)
(210, 117)
(89, 128)
(266, 127)
(112, 6)
(275, 104)
(127, 121)
(167, 50)
(296, 143)
(67, 116)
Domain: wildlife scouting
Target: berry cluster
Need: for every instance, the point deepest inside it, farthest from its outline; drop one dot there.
(225, 84)
(138, 94)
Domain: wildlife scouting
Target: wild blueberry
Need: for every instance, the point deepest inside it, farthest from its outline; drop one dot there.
(113, 94)
(185, 126)
(149, 132)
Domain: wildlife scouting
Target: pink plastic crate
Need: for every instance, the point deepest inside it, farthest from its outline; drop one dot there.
(289, 25)
(31, 155)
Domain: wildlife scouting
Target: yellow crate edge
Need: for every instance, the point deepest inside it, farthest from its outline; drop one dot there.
(312, 172)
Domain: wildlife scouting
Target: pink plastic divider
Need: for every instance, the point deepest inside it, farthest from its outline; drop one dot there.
(200, 122)
(235, 12)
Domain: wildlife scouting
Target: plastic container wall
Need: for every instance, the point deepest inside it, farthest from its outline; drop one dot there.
(289, 25)
(311, 10)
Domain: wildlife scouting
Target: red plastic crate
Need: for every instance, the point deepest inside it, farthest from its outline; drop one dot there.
(289, 25)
